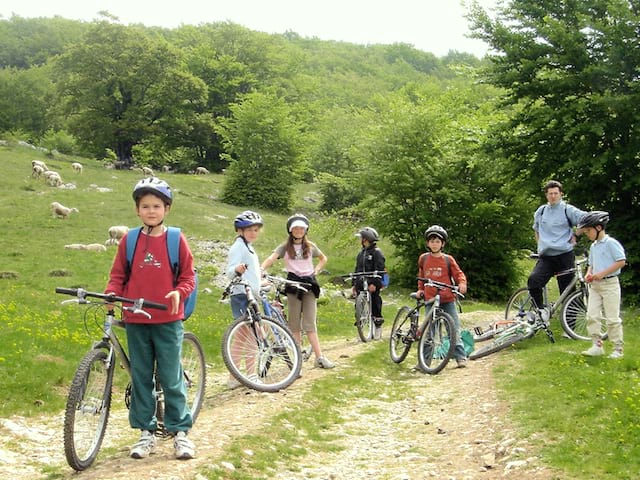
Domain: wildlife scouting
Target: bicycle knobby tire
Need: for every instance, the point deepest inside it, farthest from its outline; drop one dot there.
(87, 410)
(437, 343)
(364, 322)
(261, 355)
(502, 341)
(400, 339)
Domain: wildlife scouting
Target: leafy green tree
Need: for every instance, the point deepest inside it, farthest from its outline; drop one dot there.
(427, 168)
(121, 87)
(570, 73)
(262, 143)
(24, 99)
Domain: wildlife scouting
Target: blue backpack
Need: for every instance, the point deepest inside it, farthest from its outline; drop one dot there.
(173, 246)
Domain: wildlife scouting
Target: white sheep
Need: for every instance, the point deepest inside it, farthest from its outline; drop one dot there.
(77, 167)
(37, 171)
(95, 247)
(166, 168)
(147, 171)
(54, 179)
(201, 171)
(116, 232)
(74, 246)
(60, 211)
(40, 163)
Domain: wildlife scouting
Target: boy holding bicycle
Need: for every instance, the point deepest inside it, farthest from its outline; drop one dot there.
(370, 259)
(441, 267)
(606, 259)
(157, 340)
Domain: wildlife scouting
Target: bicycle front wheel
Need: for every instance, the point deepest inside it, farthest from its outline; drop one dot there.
(400, 338)
(519, 304)
(194, 372)
(364, 322)
(262, 354)
(87, 410)
(574, 317)
(513, 334)
(437, 343)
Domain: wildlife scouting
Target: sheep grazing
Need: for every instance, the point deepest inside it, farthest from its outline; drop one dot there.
(147, 171)
(116, 233)
(95, 247)
(201, 171)
(37, 171)
(39, 163)
(77, 167)
(60, 211)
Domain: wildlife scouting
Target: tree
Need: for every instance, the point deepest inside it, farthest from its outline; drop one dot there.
(262, 147)
(121, 87)
(24, 99)
(570, 72)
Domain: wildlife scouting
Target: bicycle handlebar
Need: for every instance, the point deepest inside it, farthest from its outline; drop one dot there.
(302, 286)
(375, 274)
(441, 286)
(81, 293)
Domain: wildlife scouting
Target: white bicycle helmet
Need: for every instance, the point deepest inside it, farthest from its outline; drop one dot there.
(155, 186)
(297, 220)
(247, 219)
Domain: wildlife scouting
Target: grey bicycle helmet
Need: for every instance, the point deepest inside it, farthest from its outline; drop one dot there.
(438, 231)
(247, 219)
(154, 186)
(593, 219)
(368, 233)
(297, 220)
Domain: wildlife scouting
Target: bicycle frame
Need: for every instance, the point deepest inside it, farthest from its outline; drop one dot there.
(364, 320)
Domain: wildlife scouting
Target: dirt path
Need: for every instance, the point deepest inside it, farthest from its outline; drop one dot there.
(453, 427)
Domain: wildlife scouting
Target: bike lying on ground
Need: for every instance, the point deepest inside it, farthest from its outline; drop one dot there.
(364, 321)
(572, 305)
(518, 329)
(260, 352)
(436, 336)
(276, 308)
(89, 399)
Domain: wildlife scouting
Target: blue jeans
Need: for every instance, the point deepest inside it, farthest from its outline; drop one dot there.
(239, 305)
(451, 309)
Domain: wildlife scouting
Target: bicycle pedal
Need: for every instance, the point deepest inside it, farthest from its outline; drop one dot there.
(478, 330)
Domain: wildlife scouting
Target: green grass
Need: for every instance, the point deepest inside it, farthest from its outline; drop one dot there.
(584, 412)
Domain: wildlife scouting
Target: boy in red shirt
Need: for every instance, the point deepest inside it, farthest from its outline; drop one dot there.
(157, 339)
(443, 268)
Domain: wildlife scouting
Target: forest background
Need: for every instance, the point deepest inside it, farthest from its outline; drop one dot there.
(396, 137)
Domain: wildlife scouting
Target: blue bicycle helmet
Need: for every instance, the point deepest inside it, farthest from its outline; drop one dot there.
(247, 219)
(154, 186)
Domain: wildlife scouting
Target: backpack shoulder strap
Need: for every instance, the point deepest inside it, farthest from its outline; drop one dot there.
(447, 259)
(132, 241)
(173, 246)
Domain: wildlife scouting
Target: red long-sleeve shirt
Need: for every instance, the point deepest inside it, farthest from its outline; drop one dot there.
(151, 276)
(436, 269)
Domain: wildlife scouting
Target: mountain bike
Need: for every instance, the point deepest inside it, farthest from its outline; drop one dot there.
(436, 335)
(572, 303)
(275, 308)
(518, 329)
(364, 321)
(259, 352)
(89, 399)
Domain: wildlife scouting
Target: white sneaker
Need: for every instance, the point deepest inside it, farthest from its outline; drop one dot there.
(324, 362)
(145, 446)
(594, 351)
(185, 449)
(377, 333)
(544, 315)
(616, 354)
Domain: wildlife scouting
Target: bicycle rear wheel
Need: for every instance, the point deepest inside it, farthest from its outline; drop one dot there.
(194, 372)
(507, 338)
(400, 338)
(87, 410)
(364, 322)
(574, 317)
(261, 355)
(519, 304)
(437, 343)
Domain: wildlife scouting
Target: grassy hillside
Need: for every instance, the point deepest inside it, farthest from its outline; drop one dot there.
(43, 341)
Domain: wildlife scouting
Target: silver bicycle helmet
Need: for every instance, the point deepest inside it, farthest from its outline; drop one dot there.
(438, 231)
(593, 219)
(247, 219)
(368, 233)
(154, 186)
(297, 220)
